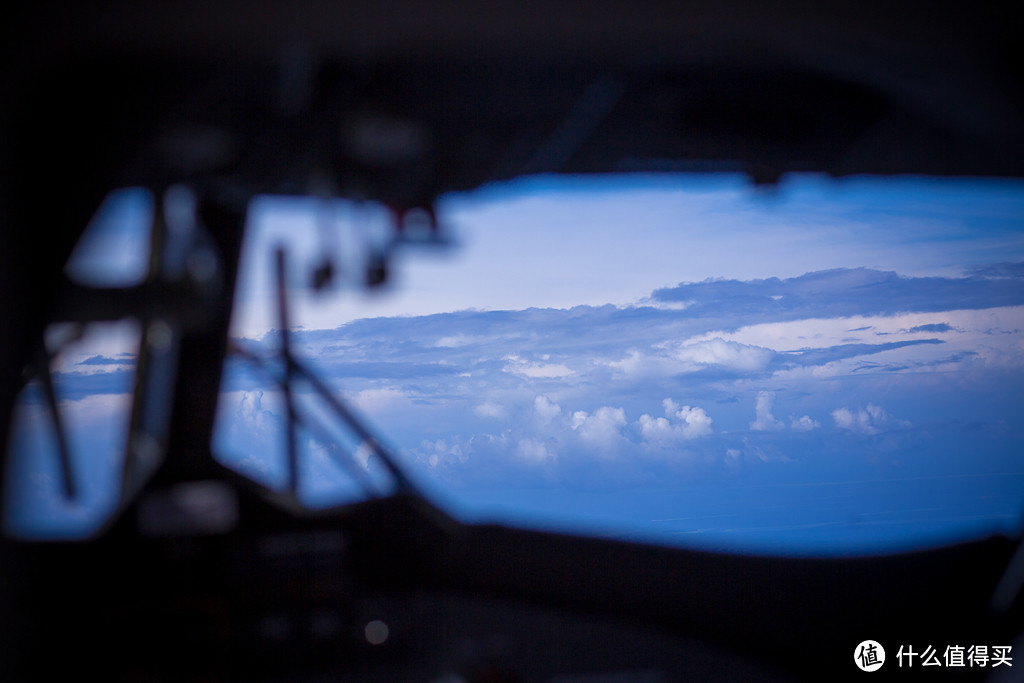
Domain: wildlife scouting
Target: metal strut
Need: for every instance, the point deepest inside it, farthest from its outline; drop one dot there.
(63, 447)
(289, 371)
(295, 369)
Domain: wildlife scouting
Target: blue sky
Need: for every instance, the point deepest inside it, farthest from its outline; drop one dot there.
(562, 242)
(828, 367)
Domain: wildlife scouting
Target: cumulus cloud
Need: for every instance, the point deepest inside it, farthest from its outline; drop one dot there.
(362, 456)
(253, 418)
(729, 354)
(868, 420)
(545, 409)
(711, 355)
(639, 365)
(680, 422)
(764, 420)
(250, 438)
(847, 419)
(695, 422)
(603, 427)
(442, 452)
(804, 424)
(656, 428)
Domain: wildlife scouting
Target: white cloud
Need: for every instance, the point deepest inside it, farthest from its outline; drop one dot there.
(804, 424)
(671, 358)
(545, 409)
(638, 365)
(695, 422)
(440, 452)
(520, 366)
(459, 340)
(489, 409)
(250, 438)
(692, 422)
(974, 336)
(259, 422)
(380, 400)
(667, 305)
(602, 427)
(533, 450)
(858, 422)
(729, 354)
(656, 428)
(764, 420)
(865, 420)
(100, 368)
(362, 455)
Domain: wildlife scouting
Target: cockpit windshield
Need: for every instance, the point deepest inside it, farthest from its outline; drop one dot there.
(822, 367)
(829, 366)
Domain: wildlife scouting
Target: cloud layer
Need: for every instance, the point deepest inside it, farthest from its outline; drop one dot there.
(841, 375)
(746, 373)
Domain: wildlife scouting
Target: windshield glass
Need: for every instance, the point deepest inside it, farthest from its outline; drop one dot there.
(823, 367)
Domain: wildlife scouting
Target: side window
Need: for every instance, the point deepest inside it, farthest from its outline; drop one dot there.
(70, 430)
(90, 422)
